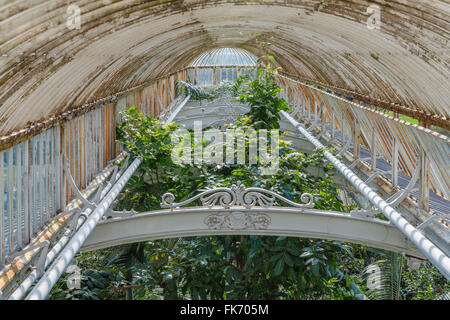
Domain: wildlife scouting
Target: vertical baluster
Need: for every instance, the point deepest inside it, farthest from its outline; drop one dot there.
(111, 128)
(43, 178)
(85, 148)
(72, 159)
(101, 137)
(69, 147)
(94, 139)
(11, 199)
(80, 141)
(97, 141)
(63, 152)
(56, 165)
(79, 154)
(76, 156)
(316, 113)
(92, 145)
(88, 146)
(114, 130)
(424, 182)
(395, 162)
(373, 160)
(308, 110)
(167, 91)
(34, 189)
(332, 125)
(356, 130)
(105, 134)
(323, 120)
(2, 209)
(81, 134)
(19, 194)
(50, 164)
(26, 190)
(47, 189)
(41, 181)
(108, 133)
(302, 106)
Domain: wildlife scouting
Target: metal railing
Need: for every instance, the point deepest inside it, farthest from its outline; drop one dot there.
(34, 189)
(394, 140)
(431, 251)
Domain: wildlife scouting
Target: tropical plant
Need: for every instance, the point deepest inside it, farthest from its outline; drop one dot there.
(424, 283)
(221, 267)
(261, 94)
(384, 277)
(188, 89)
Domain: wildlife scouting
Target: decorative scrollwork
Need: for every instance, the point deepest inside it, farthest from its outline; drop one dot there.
(223, 198)
(167, 200)
(238, 220)
(238, 195)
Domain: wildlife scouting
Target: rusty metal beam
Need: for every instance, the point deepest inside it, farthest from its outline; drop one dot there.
(16, 137)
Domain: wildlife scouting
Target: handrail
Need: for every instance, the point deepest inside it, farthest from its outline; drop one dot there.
(431, 251)
(48, 280)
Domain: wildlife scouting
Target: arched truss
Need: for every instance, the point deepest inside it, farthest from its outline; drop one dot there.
(292, 222)
(248, 211)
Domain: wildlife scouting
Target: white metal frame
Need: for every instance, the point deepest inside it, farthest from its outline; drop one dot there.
(429, 249)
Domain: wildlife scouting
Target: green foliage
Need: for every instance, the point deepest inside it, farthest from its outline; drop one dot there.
(424, 283)
(188, 89)
(252, 267)
(384, 277)
(94, 286)
(232, 267)
(261, 95)
(198, 94)
(146, 137)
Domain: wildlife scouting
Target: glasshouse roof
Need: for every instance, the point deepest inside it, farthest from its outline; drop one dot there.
(225, 57)
(122, 44)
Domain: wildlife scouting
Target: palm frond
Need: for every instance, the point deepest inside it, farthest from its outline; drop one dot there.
(445, 296)
(384, 277)
(124, 256)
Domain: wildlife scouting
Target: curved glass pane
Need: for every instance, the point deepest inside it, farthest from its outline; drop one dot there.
(225, 57)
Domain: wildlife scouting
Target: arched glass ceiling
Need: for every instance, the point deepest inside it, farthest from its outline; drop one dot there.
(225, 57)
(403, 62)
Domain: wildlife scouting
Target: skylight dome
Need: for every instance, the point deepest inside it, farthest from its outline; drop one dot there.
(221, 65)
(226, 57)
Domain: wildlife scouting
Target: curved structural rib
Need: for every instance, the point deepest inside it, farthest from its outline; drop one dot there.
(294, 222)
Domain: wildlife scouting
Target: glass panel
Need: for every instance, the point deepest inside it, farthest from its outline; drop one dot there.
(225, 57)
